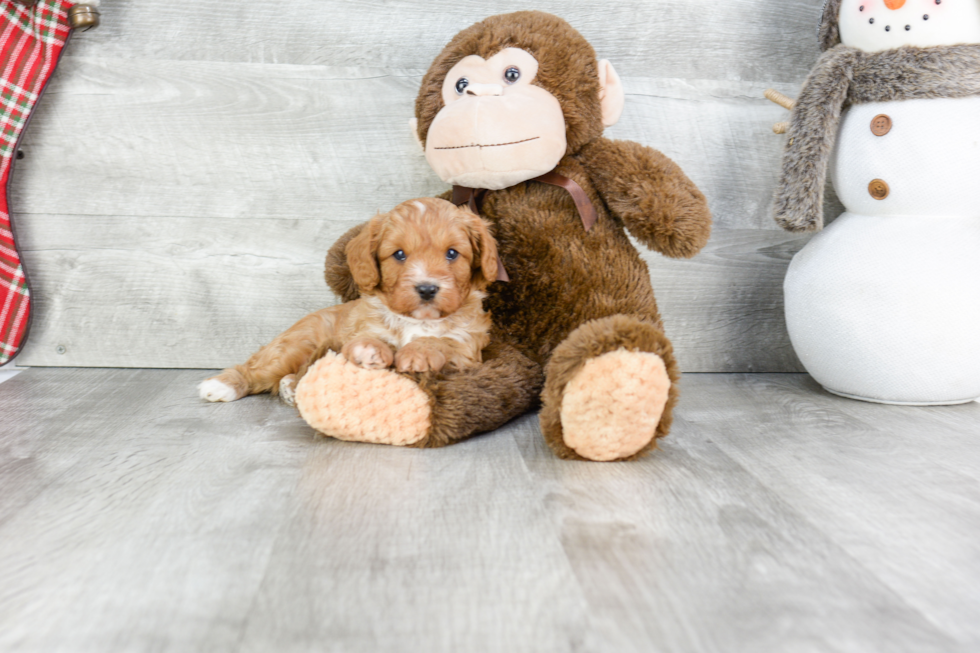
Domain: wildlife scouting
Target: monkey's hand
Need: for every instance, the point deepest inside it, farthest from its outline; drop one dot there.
(653, 197)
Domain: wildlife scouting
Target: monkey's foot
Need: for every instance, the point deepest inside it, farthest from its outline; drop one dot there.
(611, 407)
(347, 402)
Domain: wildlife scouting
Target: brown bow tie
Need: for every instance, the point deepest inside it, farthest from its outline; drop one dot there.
(473, 198)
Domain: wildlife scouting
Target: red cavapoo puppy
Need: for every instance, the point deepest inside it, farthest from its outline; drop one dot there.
(421, 270)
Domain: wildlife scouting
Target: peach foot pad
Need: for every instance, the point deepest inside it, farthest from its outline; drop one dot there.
(612, 406)
(348, 402)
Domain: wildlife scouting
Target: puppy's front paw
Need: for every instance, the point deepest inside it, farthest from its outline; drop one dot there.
(287, 389)
(369, 353)
(419, 358)
(215, 390)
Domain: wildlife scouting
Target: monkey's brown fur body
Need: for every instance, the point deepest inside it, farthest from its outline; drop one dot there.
(573, 294)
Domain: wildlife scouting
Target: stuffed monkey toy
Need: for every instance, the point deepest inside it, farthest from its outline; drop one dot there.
(511, 114)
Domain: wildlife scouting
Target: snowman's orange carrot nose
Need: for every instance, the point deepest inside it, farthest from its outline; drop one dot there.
(894, 4)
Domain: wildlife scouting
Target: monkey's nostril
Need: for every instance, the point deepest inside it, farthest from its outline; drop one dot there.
(426, 291)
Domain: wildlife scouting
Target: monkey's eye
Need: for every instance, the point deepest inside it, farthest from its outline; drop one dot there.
(512, 74)
(452, 255)
(461, 85)
(400, 255)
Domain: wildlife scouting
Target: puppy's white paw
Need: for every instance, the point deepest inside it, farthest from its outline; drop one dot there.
(287, 390)
(215, 390)
(368, 357)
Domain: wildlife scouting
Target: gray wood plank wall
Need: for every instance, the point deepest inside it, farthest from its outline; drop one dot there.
(192, 162)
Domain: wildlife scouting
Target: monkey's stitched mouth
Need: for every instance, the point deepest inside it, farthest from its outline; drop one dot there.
(463, 147)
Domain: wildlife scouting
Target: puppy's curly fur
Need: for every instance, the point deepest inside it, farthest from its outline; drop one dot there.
(421, 271)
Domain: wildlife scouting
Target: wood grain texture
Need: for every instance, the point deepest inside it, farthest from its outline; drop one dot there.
(776, 517)
(9, 372)
(168, 139)
(451, 550)
(141, 517)
(697, 39)
(915, 456)
(126, 292)
(225, 145)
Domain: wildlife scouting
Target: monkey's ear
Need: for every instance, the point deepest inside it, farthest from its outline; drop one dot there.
(362, 256)
(484, 247)
(413, 124)
(612, 95)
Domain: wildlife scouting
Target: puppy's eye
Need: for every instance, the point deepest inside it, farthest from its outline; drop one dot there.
(400, 255)
(512, 74)
(461, 85)
(452, 255)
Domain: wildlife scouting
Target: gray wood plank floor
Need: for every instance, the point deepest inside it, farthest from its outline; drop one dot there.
(134, 517)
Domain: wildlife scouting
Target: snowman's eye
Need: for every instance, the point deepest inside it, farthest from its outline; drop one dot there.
(925, 16)
(872, 21)
(861, 8)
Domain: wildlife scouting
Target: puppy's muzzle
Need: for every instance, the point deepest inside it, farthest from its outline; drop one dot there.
(427, 291)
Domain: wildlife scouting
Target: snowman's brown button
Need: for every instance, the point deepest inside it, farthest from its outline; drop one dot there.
(878, 189)
(881, 125)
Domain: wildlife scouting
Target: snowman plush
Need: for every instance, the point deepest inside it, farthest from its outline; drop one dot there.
(884, 304)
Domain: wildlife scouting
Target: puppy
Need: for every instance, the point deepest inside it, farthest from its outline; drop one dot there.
(421, 270)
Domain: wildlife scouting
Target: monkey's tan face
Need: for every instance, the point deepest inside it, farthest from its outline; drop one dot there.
(496, 129)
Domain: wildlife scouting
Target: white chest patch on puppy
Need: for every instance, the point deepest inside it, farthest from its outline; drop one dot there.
(399, 330)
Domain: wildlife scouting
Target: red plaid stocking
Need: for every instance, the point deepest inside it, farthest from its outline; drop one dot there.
(31, 39)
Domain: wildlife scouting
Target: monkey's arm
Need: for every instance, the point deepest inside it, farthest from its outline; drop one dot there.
(653, 197)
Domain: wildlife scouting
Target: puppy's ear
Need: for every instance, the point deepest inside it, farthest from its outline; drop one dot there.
(485, 259)
(362, 255)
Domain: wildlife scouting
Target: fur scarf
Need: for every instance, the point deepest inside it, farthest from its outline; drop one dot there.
(844, 76)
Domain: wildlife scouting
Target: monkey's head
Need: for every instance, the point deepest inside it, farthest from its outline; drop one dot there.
(509, 97)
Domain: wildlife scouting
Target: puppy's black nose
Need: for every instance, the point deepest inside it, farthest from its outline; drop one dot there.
(426, 291)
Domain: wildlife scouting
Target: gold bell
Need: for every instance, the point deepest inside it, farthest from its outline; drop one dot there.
(83, 17)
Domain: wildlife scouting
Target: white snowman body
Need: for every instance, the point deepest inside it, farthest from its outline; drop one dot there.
(884, 304)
